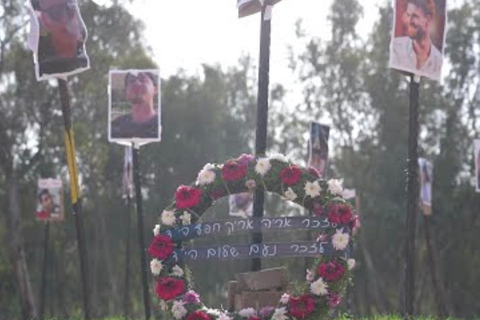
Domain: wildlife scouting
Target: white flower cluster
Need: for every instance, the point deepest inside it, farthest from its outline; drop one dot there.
(335, 187)
(319, 287)
(168, 218)
(340, 240)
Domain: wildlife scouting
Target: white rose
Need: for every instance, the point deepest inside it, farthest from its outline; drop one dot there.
(319, 287)
(168, 218)
(263, 166)
(205, 177)
(340, 240)
(335, 187)
(312, 189)
(156, 267)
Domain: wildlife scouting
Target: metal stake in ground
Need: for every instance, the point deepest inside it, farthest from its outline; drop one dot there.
(262, 114)
(75, 194)
(413, 191)
(141, 236)
(44, 270)
(126, 301)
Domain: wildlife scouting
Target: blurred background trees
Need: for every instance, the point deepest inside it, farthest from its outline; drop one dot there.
(209, 117)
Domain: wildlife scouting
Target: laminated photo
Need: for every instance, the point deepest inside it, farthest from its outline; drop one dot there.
(418, 37)
(57, 38)
(134, 106)
(318, 147)
(49, 200)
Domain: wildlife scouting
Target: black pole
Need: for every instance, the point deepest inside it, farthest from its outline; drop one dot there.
(75, 194)
(413, 197)
(141, 237)
(44, 270)
(262, 116)
(126, 301)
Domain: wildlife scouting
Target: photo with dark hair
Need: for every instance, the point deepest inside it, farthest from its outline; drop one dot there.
(57, 38)
(134, 105)
(418, 37)
(49, 200)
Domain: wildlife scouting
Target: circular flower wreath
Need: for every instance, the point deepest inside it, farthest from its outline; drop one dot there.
(326, 280)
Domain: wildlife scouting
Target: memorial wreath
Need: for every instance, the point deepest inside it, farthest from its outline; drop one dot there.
(327, 278)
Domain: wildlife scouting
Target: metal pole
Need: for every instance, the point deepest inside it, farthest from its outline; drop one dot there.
(141, 237)
(75, 194)
(44, 270)
(126, 301)
(413, 197)
(262, 115)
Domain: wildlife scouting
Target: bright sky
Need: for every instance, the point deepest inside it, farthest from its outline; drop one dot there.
(185, 34)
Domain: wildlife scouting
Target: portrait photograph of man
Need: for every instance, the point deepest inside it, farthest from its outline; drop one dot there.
(134, 111)
(418, 37)
(50, 200)
(57, 38)
(318, 147)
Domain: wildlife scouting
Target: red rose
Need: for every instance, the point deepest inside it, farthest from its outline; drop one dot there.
(169, 288)
(161, 247)
(187, 197)
(331, 271)
(198, 315)
(291, 175)
(301, 307)
(254, 318)
(233, 170)
(340, 213)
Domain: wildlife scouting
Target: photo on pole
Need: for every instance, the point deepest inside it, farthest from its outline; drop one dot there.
(134, 106)
(477, 164)
(418, 37)
(426, 182)
(57, 38)
(318, 147)
(49, 200)
(241, 205)
(249, 7)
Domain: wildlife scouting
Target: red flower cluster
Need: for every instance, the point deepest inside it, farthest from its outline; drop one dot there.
(245, 159)
(161, 247)
(334, 300)
(169, 288)
(198, 315)
(291, 175)
(340, 213)
(254, 318)
(233, 170)
(314, 172)
(187, 197)
(301, 307)
(331, 271)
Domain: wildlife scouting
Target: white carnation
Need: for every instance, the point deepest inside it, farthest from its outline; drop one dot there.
(278, 157)
(156, 230)
(168, 218)
(290, 194)
(319, 287)
(205, 177)
(263, 166)
(247, 312)
(335, 187)
(178, 310)
(312, 189)
(340, 240)
(177, 271)
(186, 218)
(309, 276)
(351, 264)
(208, 167)
(279, 314)
(285, 298)
(213, 312)
(156, 267)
